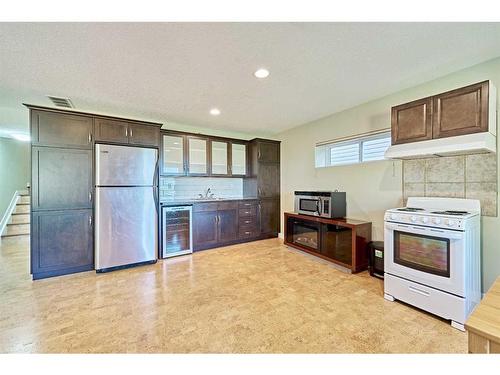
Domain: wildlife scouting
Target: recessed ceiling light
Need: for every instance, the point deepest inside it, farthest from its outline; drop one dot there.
(21, 137)
(261, 73)
(215, 112)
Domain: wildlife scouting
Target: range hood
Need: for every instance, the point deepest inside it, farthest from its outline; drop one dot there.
(463, 144)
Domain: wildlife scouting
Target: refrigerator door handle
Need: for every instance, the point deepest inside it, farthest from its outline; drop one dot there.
(155, 197)
(156, 172)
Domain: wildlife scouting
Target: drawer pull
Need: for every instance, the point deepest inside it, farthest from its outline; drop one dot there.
(422, 292)
(247, 221)
(247, 232)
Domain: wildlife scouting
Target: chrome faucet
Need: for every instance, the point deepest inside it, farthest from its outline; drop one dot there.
(208, 194)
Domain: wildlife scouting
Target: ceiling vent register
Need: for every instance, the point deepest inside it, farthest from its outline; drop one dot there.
(61, 102)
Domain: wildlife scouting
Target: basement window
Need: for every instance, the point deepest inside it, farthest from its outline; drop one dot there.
(358, 149)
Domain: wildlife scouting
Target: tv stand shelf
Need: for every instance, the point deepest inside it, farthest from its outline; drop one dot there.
(341, 241)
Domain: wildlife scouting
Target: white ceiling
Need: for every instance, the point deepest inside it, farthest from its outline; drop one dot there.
(178, 71)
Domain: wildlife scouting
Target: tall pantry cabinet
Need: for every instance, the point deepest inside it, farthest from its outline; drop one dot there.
(62, 193)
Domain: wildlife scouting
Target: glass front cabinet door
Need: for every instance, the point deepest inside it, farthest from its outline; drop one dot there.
(197, 151)
(238, 159)
(173, 155)
(219, 158)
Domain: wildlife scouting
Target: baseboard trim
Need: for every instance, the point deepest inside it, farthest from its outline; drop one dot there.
(8, 212)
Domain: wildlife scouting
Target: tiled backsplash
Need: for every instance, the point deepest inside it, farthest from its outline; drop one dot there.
(464, 176)
(190, 187)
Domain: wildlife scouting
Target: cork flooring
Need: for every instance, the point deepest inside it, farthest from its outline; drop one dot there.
(259, 297)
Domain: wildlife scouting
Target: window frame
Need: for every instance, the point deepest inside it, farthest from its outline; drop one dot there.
(326, 149)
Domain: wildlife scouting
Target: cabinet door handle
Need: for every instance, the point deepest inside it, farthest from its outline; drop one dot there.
(90, 138)
(126, 131)
(131, 133)
(259, 191)
(90, 196)
(258, 154)
(90, 221)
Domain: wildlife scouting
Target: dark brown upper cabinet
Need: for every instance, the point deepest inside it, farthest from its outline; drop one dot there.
(188, 154)
(412, 122)
(457, 112)
(238, 161)
(173, 155)
(144, 135)
(64, 130)
(61, 178)
(107, 130)
(461, 111)
(219, 158)
(197, 156)
(268, 151)
(268, 180)
(125, 132)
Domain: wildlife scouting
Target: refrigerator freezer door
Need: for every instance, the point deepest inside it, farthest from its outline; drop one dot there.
(126, 228)
(125, 165)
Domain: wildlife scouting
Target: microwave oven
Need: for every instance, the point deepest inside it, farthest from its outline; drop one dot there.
(331, 204)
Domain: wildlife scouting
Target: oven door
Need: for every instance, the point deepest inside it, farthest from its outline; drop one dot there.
(308, 205)
(429, 256)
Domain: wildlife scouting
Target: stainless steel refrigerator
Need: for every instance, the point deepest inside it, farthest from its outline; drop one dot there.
(126, 228)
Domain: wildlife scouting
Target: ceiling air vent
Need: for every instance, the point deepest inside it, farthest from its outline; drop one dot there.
(61, 102)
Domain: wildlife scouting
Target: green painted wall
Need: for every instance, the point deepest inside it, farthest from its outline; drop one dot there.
(376, 186)
(14, 169)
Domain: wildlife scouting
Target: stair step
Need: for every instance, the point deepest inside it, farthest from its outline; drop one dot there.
(20, 219)
(22, 209)
(24, 199)
(16, 230)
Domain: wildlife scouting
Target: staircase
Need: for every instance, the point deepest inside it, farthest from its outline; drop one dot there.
(19, 223)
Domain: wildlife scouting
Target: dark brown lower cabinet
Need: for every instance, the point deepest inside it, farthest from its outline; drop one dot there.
(229, 222)
(227, 225)
(342, 241)
(269, 214)
(204, 229)
(62, 242)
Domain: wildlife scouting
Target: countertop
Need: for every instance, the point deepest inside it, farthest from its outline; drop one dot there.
(174, 202)
(485, 319)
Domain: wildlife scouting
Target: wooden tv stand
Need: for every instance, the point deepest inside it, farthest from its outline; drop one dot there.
(341, 241)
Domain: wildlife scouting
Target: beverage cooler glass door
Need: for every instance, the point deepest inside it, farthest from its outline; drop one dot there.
(429, 256)
(177, 233)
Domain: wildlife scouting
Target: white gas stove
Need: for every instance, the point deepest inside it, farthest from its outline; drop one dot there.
(432, 256)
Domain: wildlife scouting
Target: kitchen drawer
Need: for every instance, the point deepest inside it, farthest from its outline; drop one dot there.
(446, 305)
(248, 204)
(201, 207)
(248, 221)
(250, 211)
(233, 205)
(248, 232)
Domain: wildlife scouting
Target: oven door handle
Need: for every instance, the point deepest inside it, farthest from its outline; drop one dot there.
(435, 232)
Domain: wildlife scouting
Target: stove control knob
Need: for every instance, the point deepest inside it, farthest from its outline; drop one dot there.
(393, 216)
(451, 223)
(425, 220)
(437, 220)
(414, 218)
